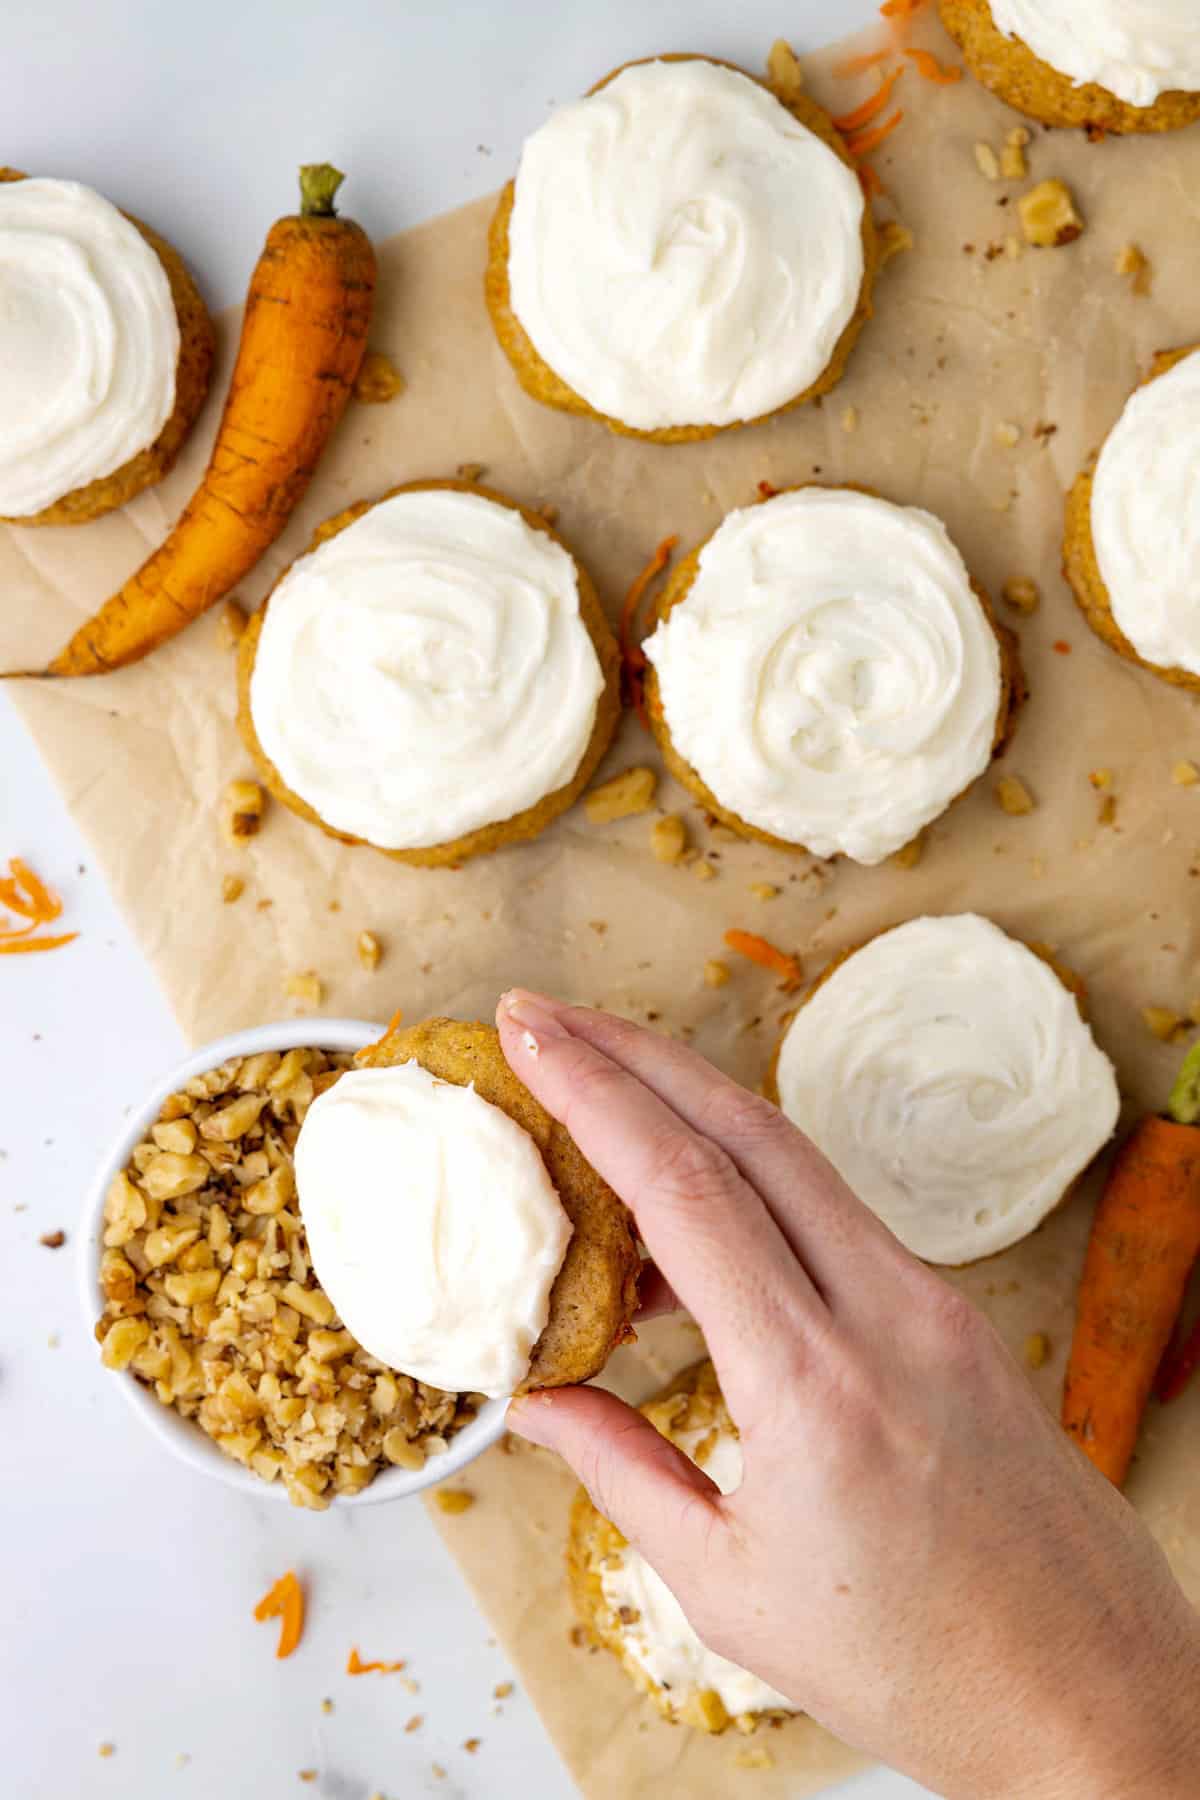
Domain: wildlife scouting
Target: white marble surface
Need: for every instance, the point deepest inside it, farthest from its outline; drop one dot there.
(128, 1581)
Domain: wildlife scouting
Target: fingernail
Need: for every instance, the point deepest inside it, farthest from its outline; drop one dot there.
(535, 1014)
(526, 1414)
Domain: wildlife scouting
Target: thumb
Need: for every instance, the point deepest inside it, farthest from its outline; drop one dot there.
(655, 1496)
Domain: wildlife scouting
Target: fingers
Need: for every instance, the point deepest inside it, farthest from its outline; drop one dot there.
(652, 1492)
(826, 1225)
(702, 1222)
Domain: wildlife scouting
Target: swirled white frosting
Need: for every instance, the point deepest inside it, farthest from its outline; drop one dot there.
(433, 1226)
(830, 674)
(655, 1631)
(1146, 517)
(682, 251)
(1137, 49)
(426, 671)
(946, 1073)
(89, 342)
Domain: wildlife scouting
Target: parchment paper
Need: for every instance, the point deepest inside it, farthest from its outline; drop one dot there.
(964, 340)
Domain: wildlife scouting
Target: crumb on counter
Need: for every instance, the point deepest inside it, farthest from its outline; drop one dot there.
(471, 1745)
(1022, 594)
(232, 888)
(1013, 797)
(716, 972)
(368, 949)
(1132, 261)
(1048, 214)
(621, 796)
(242, 806)
(754, 1756)
(306, 988)
(1008, 434)
(850, 419)
(987, 162)
(703, 871)
(106, 1750)
(1037, 1349)
(53, 1240)
(764, 890)
(379, 380)
(416, 1722)
(1013, 163)
(454, 1500)
(502, 1690)
(327, 1705)
(668, 838)
(1100, 778)
(1185, 774)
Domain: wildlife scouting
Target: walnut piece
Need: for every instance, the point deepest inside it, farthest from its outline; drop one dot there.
(1185, 774)
(987, 162)
(306, 988)
(1037, 1349)
(1013, 166)
(209, 1298)
(910, 854)
(716, 972)
(621, 796)
(1049, 217)
(232, 888)
(1167, 1026)
(1023, 595)
(784, 71)
(242, 806)
(1132, 261)
(668, 838)
(1012, 796)
(379, 380)
(453, 1500)
(369, 949)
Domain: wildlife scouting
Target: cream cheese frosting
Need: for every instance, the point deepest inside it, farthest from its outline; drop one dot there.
(658, 1637)
(1137, 49)
(830, 674)
(427, 671)
(945, 1071)
(1145, 516)
(682, 251)
(89, 342)
(433, 1226)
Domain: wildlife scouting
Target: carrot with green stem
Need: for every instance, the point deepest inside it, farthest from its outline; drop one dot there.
(303, 337)
(1145, 1242)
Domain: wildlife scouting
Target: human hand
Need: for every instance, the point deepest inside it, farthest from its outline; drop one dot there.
(917, 1555)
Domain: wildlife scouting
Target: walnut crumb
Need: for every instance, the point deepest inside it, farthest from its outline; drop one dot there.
(850, 419)
(53, 1240)
(327, 1706)
(987, 162)
(106, 1750)
(1185, 774)
(668, 838)
(1023, 595)
(242, 806)
(471, 1745)
(1106, 812)
(1012, 248)
(502, 1690)
(232, 888)
(621, 796)
(470, 471)
(784, 71)
(454, 1500)
(368, 949)
(764, 890)
(231, 623)
(716, 972)
(1132, 261)
(416, 1722)
(894, 239)
(1008, 435)
(754, 1756)
(437, 1771)
(1049, 217)
(1013, 797)
(379, 380)
(307, 1774)
(703, 871)
(549, 512)
(1013, 164)
(307, 988)
(1101, 778)
(1167, 1026)
(1037, 1349)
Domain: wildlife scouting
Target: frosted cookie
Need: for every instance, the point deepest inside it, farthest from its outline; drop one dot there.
(1132, 546)
(825, 674)
(627, 1608)
(455, 1226)
(683, 250)
(1111, 65)
(947, 1073)
(435, 677)
(105, 353)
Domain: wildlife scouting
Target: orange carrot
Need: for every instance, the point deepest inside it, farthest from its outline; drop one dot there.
(356, 1666)
(767, 956)
(872, 183)
(858, 65)
(18, 944)
(901, 9)
(871, 107)
(1145, 1240)
(26, 894)
(303, 337)
(285, 1601)
(862, 146)
(932, 70)
(633, 657)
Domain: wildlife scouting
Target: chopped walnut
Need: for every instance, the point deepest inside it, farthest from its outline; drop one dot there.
(1023, 595)
(1185, 774)
(712, 1710)
(910, 854)
(1012, 796)
(379, 380)
(784, 71)
(502, 1690)
(1008, 435)
(1132, 261)
(703, 871)
(369, 949)
(471, 1745)
(454, 1500)
(1106, 812)
(307, 988)
(1037, 1349)
(621, 796)
(53, 1240)
(416, 1722)
(1167, 1026)
(1101, 778)
(470, 471)
(1013, 165)
(764, 890)
(668, 838)
(754, 1756)
(716, 972)
(232, 888)
(242, 807)
(231, 623)
(1048, 215)
(894, 239)
(209, 1297)
(850, 419)
(987, 162)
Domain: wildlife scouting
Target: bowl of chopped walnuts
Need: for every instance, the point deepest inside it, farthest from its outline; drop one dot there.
(198, 1286)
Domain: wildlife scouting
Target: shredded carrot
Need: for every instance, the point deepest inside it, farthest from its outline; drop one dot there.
(285, 1601)
(871, 107)
(356, 1666)
(858, 65)
(862, 146)
(931, 69)
(872, 184)
(633, 657)
(1179, 1366)
(767, 490)
(25, 894)
(768, 956)
(17, 944)
(395, 1022)
(1061, 646)
(901, 9)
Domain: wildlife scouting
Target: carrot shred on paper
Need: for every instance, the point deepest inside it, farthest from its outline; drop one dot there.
(17, 944)
(928, 66)
(767, 956)
(870, 140)
(871, 107)
(284, 1601)
(24, 894)
(356, 1666)
(633, 657)
(901, 9)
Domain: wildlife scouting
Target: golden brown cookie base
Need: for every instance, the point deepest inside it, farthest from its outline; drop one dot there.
(193, 372)
(540, 381)
(691, 1402)
(1011, 70)
(1012, 680)
(1074, 984)
(1081, 566)
(523, 825)
(594, 1296)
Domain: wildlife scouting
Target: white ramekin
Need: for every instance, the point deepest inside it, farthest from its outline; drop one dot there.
(181, 1436)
